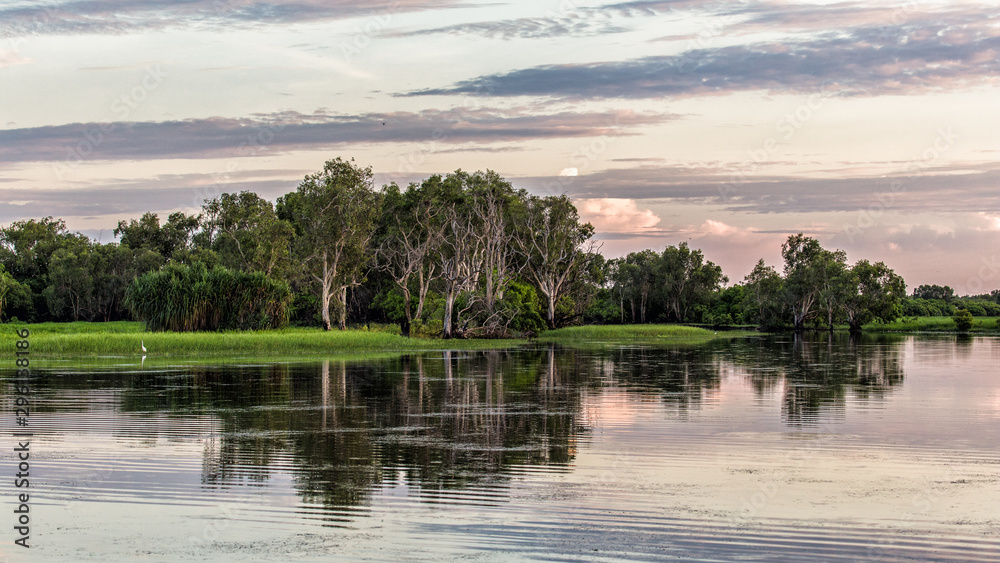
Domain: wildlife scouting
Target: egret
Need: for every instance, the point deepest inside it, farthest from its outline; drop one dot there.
(142, 344)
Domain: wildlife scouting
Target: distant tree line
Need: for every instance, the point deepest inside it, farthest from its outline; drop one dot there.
(464, 254)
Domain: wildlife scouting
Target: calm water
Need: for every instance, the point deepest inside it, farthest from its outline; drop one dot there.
(759, 449)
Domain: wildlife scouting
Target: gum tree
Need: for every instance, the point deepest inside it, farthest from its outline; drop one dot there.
(556, 245)
(334, 213)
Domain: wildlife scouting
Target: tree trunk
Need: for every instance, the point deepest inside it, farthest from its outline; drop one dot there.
(343, 308)
(324, 306)
(449, 305)
(405, 326)
(552, 312)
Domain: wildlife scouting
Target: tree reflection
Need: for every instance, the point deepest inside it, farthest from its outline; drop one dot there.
(817, 371)
(456, 426)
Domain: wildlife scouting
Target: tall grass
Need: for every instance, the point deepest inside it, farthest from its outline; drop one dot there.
(184, 299)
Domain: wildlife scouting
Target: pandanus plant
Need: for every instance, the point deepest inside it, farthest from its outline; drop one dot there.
(191, 298)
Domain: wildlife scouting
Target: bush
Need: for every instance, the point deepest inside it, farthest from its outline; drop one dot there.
(963, 320)
(191, 298)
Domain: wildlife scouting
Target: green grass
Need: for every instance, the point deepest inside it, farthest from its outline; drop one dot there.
(933, 324)
(104, 342)
(123, 340)
(616, 335)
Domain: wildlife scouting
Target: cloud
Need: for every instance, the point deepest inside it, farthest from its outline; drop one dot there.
(131, 198)
(287, 131)
(942, 189)
(863, 61)
(581, 23)
(963, 254)
(111, 16)
(616, 215)
(11, 58)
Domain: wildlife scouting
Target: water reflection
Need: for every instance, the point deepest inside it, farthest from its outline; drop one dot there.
(439, 424)
(816, 371)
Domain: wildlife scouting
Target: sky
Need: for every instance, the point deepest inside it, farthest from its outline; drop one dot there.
(870, 126)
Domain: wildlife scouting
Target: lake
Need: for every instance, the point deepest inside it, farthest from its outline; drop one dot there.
(766, 448)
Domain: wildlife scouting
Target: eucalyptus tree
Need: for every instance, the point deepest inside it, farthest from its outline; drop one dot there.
(461, 252)
(835, 285)
(764, 295)
(687, 279)
(26, 249)
(875, 293)
(334, 213)
(247, 234)
(555, 245)
(805, 270)
(71, 286)
(640, 270)
(177, 234)
(496, 207)
(411, 233)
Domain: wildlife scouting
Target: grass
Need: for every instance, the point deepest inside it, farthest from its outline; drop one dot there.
(613, 335)
(987, 325)
(123, 339)
(103, 342)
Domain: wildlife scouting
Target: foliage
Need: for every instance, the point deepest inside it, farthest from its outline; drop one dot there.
(464, 254)
(764, 302)
(184, 299)
(333, 213)
(246, 234)
(963, 320)
(936, 292)
(174, 236)
(873, 293)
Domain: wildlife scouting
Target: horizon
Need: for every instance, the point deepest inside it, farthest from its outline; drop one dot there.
(726, 126)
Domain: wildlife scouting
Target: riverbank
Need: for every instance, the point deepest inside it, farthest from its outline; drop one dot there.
(980, 325)
(126, 339)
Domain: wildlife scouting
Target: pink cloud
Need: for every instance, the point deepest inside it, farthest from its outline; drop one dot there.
(616, 215)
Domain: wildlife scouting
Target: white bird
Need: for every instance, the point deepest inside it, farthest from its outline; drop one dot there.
(142, 344)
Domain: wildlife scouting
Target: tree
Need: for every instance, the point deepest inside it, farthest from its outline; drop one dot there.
(333, 213)
(10, 288)
(874, 293)
(461, 257)
(26, 248)
(835, 284)
(945, 293)
(247, 234)
(553, 240)
(72, 285)
(493, 204)
(639, 273)
(687, 279)
(175, 235)
(412, 232)
(806, 276)
(764, 295)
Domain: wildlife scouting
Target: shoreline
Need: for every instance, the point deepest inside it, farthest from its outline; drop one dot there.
(123, 340)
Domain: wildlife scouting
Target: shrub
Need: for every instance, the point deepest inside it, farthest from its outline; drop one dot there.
(963, 320)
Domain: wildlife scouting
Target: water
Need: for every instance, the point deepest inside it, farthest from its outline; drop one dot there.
(757, 449)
